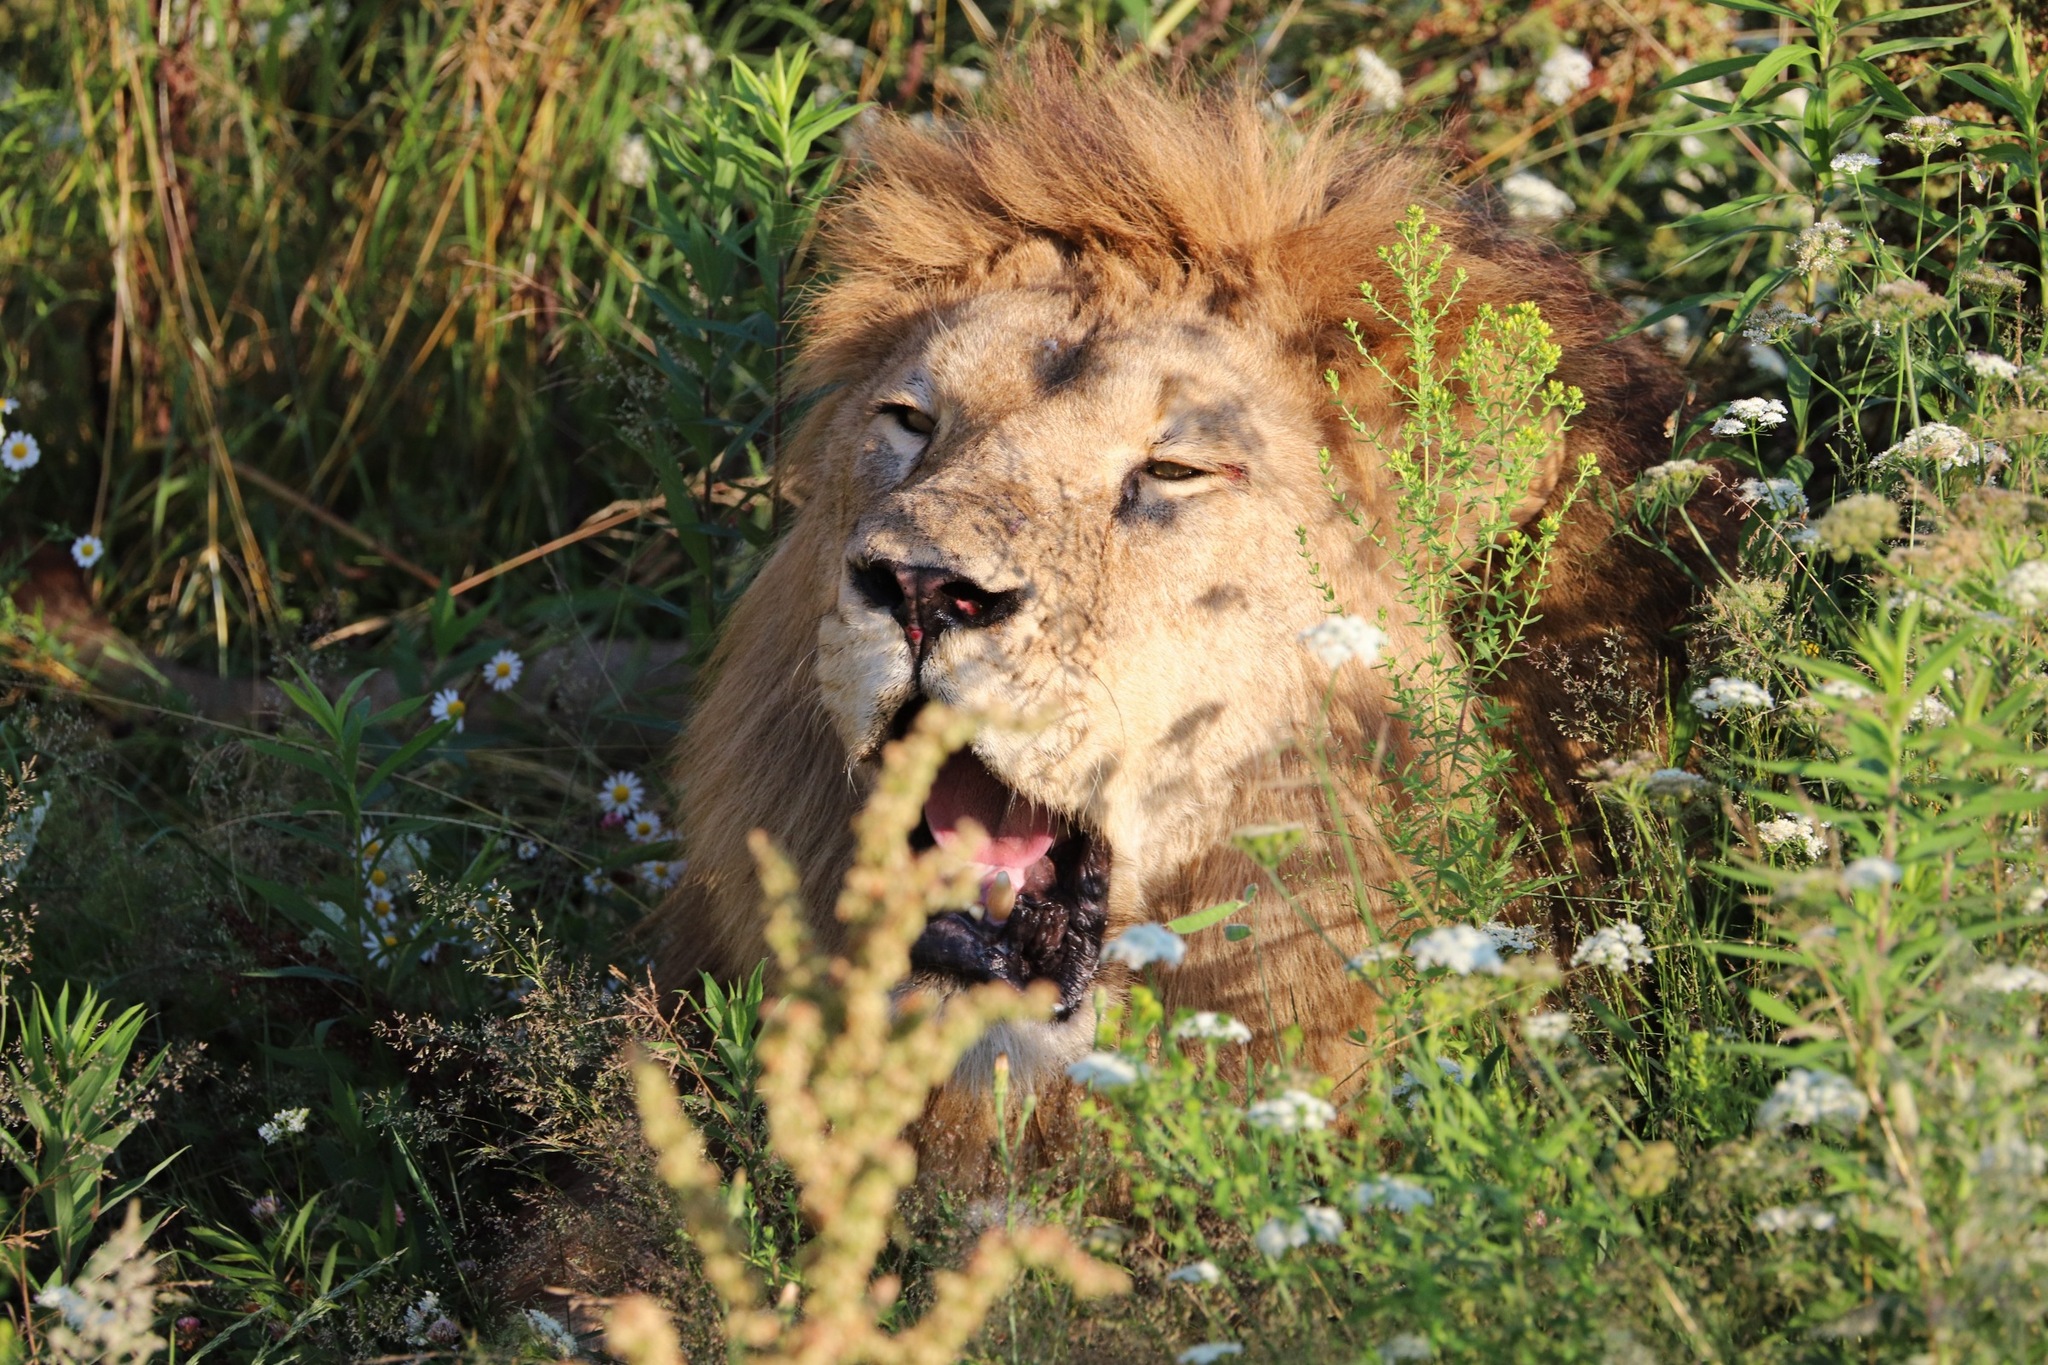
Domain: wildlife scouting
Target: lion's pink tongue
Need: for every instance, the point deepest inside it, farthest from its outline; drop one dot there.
(1020, 832)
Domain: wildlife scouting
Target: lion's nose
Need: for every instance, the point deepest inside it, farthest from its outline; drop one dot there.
(927, 600)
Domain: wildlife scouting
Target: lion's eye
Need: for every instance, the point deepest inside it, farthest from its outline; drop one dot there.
(912, 419)
(1172, 471)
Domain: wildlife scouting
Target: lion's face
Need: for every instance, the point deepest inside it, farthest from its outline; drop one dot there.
(1086, 527)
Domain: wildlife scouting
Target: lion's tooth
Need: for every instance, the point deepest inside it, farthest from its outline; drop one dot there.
(1000, 896)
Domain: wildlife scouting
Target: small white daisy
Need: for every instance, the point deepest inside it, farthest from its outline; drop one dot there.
(19, 452)
(621, 794)
(661, 873)
(87, 551)
(503, 670)
(597, 884)
(528, 850)
(9, 406)
(378, 900)
(448, 705)
(644, 827)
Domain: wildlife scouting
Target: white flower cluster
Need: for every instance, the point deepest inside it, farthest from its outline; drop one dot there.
(1943, 446)
(283, 1124)
(1673, 471)
(1730, 694)
(1458, 948)
(1294, 1111)
(1930, 713)
(1821, 247)
(1549, 1027)
(1620, 947)
(1986, 365)
(552, 1333)
(1871, 874)
(1792, 831)
(2008, 978)
(386, 865)
(2012, 1158)
(1406, 1346)
(1196, 1272)
(1564, 73)
(1747, 415)
(1209, 1352)
(1926, 134)
(1798, 1218)
(1512, 938)
(633, 161)
(1777, 497)
(1810, 1098)
(426, 1325)
(1104, 1071)
(1530, 197)
(1394, 1193)
(1213, 1027)
(2026, 587)
(1853, 163)
(1337, 640)
(1378, 83)
(1314, 1223)
(1141, 945)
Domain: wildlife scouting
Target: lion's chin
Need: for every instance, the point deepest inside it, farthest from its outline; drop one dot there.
(1045, 897)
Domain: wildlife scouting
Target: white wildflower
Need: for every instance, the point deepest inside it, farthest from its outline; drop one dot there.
(621, 794)
(426, 1325)
(1943, 446)
(19, 452)
(503, 670)
(1821, 247)
(2026, 587)
(1799, 1218)
(1294, 1111)
(1208, 1352)
(644, 827)
(1777, 497)
(1986, 365)
(1810, 1098)
(1548, 1027)
(1511, 938)
(1196, 1272)
(661, 873)
(87, 551)
(2004, 978)
(1530, 196)
(1410, 1087)
(1378, 82)
(1394, 1193)
(1853, 163)
(1926, 134)
(1207, 1024)
(1337, 640)
(1791, 831)
(449, 705)
(1276, 1236)
(597, 884)
(2012, 1158)
(1760, 413)
(381, 937)
(1620, 947)
(1460, 948)
(1871, 874)
(1564, 73)
(1324, 1224)
(1730, 694)
(1103, 1071)
(633, 161)
(1360, 964)
(1141, 945)
(379, 900)
(553, 1334)
(528, 850)
(1841, 689)
(283, 1124)
(1930, 713)
(1406, 1346)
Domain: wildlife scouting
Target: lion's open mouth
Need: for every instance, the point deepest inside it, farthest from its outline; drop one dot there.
(1045, 888)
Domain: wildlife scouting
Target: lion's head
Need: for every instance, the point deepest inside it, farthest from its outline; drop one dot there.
(1072, 356)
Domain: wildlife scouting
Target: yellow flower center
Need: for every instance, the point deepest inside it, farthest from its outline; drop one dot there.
(455, 710)
(621, 793)
(379, 877)
(501, 669)
(372, 849)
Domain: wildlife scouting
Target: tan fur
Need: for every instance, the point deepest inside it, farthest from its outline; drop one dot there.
(1086, 266)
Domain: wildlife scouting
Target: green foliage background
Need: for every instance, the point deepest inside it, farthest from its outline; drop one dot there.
(319, 312)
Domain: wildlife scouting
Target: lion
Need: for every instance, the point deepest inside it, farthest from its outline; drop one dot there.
(1071, 350)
